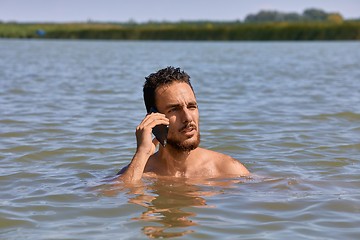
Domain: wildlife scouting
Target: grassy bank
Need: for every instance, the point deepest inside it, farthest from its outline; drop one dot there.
(231, 31)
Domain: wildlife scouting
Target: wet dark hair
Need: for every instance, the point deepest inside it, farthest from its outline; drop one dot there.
(165, 76)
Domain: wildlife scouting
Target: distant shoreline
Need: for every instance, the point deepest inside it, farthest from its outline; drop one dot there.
(202, 31)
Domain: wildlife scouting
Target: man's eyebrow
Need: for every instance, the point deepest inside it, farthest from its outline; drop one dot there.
(176, 105)
(173, 105)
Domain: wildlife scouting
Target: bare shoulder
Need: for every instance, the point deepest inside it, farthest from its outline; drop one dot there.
(224, 164)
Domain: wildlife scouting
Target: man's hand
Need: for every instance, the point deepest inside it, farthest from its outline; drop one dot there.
(145, 146)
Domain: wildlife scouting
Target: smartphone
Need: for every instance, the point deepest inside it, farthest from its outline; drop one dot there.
(160, 131)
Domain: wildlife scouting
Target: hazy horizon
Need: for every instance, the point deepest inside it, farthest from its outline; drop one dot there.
(159, 10)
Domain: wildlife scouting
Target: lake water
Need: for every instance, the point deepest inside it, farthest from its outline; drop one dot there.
(290, 111)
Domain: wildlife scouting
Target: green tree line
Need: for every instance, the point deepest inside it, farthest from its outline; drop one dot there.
(309, 15)
(312, 24)
(346, 30)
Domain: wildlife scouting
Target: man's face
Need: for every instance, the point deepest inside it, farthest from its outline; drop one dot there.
(177, 101)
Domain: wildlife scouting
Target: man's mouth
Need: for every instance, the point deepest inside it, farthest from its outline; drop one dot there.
(188, 128)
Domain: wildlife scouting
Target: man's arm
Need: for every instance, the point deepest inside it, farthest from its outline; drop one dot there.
(231, 166)
(235, 167)
(145, 147)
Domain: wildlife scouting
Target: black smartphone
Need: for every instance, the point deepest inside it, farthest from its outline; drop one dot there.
(160, 131)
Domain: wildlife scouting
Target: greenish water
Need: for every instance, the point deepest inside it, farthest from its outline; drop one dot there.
(288, 110)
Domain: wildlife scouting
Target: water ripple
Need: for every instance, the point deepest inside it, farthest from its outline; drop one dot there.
(68, 118)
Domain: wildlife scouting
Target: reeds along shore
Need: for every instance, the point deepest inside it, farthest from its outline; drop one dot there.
(231, 31)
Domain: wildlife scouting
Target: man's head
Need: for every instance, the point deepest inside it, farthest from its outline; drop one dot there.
(169, 90)
(162, 77)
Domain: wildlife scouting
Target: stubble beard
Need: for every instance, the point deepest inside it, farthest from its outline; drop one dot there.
(184, 146)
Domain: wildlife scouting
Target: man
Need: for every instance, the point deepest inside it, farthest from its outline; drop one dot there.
(169, 91)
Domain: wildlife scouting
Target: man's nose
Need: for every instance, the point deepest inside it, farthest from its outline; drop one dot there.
(186, 115)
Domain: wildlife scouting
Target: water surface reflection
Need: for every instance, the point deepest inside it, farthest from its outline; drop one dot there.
(169, 203)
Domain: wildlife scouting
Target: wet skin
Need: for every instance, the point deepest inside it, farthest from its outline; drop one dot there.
(181, 157)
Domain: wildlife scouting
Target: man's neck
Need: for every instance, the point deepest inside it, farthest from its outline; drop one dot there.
(173, 160)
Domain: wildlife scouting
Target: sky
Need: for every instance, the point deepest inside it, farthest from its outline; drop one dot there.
(160, 10)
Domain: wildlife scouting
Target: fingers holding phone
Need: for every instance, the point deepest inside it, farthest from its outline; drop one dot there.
(145, 128)
(160, 131)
